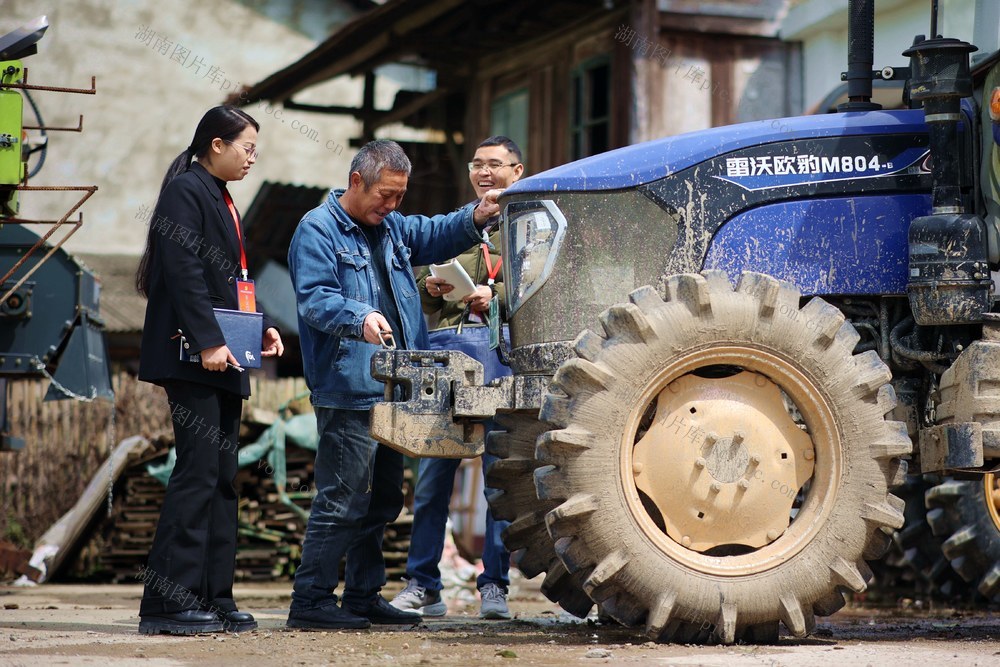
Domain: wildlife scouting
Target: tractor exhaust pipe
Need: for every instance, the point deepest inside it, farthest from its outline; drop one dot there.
(949, 269)
(860, 56)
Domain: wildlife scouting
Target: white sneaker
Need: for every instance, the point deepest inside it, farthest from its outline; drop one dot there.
(493, 603)
(417, 598)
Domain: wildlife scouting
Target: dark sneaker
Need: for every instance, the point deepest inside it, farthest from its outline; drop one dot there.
(417, 598)
(383, 613)
(187, 622)
(323, 618)
(493, 603)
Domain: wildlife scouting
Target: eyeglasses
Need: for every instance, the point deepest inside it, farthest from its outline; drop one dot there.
(251, 152)
(491, 166)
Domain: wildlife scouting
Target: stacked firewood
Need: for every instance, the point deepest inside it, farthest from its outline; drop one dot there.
(271, 531)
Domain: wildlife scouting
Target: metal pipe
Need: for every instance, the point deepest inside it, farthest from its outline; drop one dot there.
(860, 55)
(903, 350)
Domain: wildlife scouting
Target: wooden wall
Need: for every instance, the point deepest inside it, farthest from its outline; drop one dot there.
(66, 442)
(545, 67)
(667, 77)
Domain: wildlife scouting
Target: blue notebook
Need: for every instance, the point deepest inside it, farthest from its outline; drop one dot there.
(243, 333)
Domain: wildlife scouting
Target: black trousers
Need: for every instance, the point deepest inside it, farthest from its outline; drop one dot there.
(193, 557)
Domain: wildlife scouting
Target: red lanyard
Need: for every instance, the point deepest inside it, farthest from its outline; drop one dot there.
(236, 221)
(491, 271)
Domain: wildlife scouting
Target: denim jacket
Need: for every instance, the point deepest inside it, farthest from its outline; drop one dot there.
(335, 289)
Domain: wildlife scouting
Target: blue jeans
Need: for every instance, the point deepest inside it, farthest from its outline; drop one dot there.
(358, 491)
(435, 482)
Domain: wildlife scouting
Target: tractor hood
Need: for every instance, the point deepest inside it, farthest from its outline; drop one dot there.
(652, 160)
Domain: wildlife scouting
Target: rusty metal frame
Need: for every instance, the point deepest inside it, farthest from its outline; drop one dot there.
(88, 191)
(52, 128)
(55, 89)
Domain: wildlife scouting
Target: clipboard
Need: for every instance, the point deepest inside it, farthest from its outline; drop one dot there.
(455, 275)
(243, 333)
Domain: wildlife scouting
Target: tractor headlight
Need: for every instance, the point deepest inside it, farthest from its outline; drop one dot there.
(534, 232)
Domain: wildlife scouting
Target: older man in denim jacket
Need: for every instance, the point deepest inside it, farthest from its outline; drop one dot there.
(350, 263)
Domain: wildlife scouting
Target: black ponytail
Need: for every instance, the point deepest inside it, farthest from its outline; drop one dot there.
(223, 122)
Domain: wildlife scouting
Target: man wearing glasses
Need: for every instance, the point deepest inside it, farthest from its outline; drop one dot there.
(463, 325)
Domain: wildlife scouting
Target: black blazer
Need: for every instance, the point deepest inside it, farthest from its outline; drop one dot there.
(195, 263)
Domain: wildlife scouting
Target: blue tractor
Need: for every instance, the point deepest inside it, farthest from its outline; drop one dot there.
(729, 345)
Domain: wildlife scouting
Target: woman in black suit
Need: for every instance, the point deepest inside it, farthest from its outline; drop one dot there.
(193, 260)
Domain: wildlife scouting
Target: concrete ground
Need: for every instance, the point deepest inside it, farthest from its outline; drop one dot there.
(58, 624)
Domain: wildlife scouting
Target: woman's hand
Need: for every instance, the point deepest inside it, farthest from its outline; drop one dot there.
(272, 345)
(215, 358)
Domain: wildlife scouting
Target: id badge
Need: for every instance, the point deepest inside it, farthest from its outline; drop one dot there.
(245, 295)
(494, 323)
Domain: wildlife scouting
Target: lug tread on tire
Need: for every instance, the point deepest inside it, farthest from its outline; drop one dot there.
(989, 585)
(660, 615)
(604, 573)
(870, 374)
(511, 496)
(566, 588)
(646, 298)
(564, 442)
(825, 320)
(691, 290)
(628, 322)
(516, 500)
(588, 345)
(555, 407)
(773, 296)
(574, 512)
(583, 373)
(849, 574)
(726, 625)
(521, 538)
(878, 544)
(799, 622)
(830, 603)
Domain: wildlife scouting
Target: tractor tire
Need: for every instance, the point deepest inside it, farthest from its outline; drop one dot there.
(515, 500)
(915, 566)
(966, 515)
(769, 510)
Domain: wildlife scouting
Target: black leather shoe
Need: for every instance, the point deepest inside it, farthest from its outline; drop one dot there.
(324, 618)
(236, 621)
(382, 613)
(187, 622)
